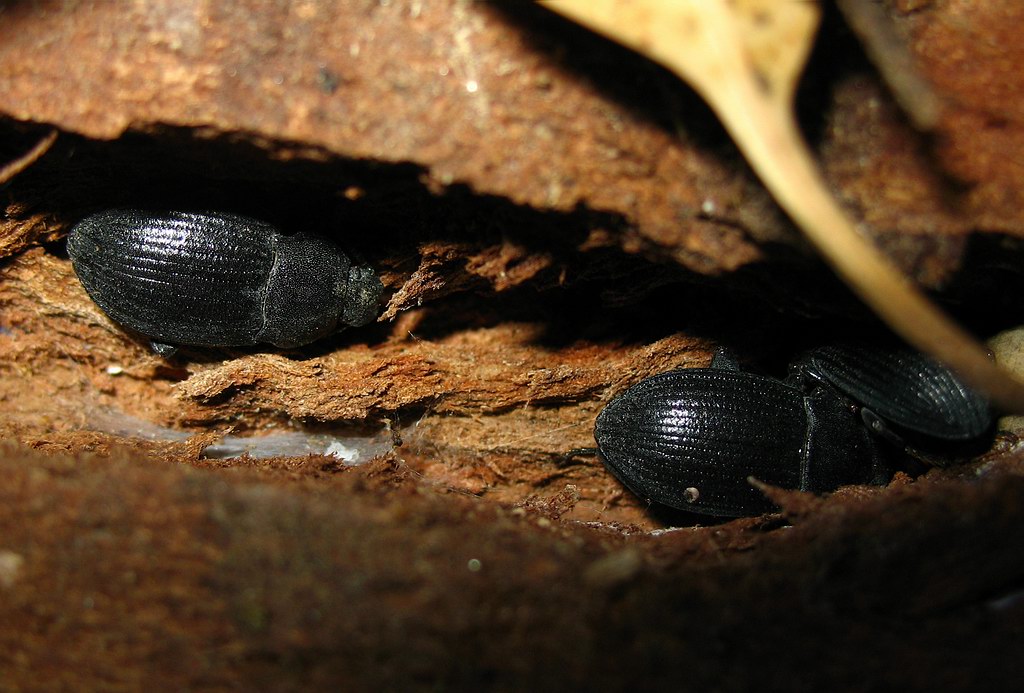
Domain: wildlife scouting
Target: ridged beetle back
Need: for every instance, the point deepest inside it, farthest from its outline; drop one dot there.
(705, 430)
(218, 279)
(690, 439)
(904, 387)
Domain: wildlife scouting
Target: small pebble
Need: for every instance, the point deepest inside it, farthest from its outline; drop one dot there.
(10, 567)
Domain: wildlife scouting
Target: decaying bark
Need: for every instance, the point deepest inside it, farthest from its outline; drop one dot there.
(554, 219)
(120, 574)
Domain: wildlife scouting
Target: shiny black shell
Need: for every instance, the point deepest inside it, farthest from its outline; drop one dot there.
(217, 279)
(915, 393)
(690, 439)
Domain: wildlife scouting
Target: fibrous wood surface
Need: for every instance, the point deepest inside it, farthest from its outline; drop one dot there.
(554, 218)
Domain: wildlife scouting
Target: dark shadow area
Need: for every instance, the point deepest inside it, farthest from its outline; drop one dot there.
(672, 517)
(985, 295)
(657, 95)
(385, 213)
(835, 55)
(649, 90)
(16, 139)
(14, 10)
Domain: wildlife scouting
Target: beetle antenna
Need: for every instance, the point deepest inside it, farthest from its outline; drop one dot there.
(568, 458)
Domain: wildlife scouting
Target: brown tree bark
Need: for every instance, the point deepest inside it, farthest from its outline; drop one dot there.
(554, 219)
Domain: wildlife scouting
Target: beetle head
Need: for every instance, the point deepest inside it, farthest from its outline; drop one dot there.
(361, 297)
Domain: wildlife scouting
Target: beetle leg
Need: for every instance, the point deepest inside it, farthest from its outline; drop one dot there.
(161, 349)
(725, 360)
(569, 458)
(879, 427)
(949, 454)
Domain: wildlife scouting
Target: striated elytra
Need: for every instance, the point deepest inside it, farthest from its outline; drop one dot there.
(690, 439)
(214, 279)
(908, 394)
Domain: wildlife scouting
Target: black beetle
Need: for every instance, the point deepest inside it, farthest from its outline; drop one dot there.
(907, 398)
(213, 279)
(690, 439)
